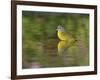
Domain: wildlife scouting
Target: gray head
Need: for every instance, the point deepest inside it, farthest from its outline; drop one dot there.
(60, 28)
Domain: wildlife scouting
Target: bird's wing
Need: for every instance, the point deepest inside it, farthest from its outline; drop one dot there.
(65, 34)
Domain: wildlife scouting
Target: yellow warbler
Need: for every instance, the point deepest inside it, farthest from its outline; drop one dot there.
(66, 39)
(63, 35)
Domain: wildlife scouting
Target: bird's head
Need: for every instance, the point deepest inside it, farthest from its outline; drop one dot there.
(60, 28)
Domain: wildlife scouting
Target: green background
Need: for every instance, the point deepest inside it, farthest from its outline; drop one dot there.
(40, 39)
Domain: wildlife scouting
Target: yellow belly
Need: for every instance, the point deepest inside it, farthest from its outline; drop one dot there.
(62, 36)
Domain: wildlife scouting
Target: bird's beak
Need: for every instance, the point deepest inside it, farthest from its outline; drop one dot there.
(57, 29)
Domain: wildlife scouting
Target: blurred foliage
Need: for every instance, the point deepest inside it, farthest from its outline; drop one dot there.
(40, 37)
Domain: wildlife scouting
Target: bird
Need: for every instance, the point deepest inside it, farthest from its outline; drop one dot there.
(63, 35)
(66, 40)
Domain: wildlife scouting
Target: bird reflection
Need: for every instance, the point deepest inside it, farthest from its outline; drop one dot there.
(63, 46)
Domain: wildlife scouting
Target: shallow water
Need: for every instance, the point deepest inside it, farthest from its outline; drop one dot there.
(48, 54)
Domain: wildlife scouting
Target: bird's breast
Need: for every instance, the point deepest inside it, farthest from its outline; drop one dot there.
(62, 35)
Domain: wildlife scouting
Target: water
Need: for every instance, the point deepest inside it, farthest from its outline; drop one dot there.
(54, 53)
